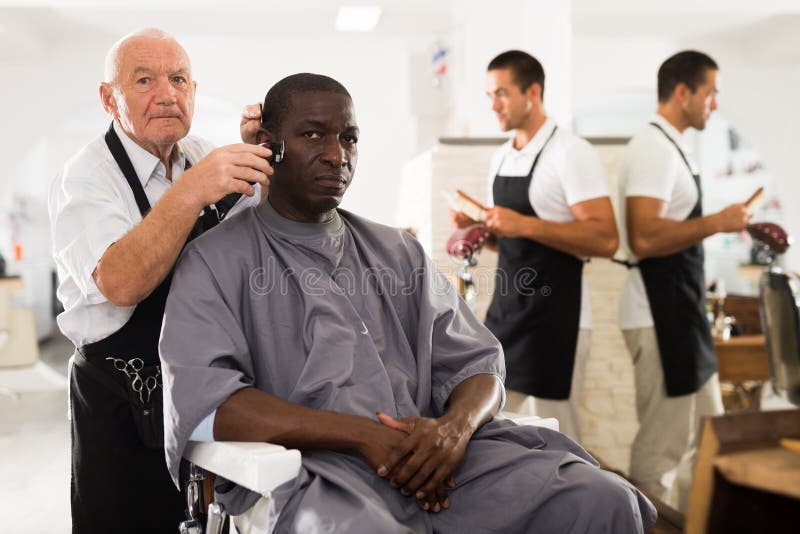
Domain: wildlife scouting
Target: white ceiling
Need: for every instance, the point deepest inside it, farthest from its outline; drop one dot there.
(32, 27)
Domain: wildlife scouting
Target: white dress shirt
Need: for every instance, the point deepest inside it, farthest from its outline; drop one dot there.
(91, 206)
(652, 167)
(569, 172)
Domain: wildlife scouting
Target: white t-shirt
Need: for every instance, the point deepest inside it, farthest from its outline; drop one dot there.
(569, 172)
(91, 206)
(652, 167)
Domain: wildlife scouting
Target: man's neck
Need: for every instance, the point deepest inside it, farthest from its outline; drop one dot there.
(673, 114)
(524, 134)
(288, 211)
(162, 152)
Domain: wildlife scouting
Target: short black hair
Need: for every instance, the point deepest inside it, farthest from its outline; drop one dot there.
(278, 101)
(688, 67)
(525, 68)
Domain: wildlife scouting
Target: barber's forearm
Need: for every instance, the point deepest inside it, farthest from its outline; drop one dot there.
(595, 238)
(254, 415)
(474, 401)
(662, 237)
(134, 266)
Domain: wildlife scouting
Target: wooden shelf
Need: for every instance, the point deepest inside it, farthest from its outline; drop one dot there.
(776, 470)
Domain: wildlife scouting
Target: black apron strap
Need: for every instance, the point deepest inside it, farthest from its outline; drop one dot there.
(683, 156)
(125, 165)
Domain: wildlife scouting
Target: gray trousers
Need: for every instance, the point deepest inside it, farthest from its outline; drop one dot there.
(663, 451)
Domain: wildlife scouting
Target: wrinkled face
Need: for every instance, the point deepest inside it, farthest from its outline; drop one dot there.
(321, 134)
(153, 95)
(511, 105)
(700, 104)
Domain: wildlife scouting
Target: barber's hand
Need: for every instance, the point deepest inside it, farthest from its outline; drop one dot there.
(225, 170)
(734, 218)
(422, 464)
(250, 124)
(504, 222)
(459, 220)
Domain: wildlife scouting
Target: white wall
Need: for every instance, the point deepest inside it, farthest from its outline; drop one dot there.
(614, 82)
(759, 76)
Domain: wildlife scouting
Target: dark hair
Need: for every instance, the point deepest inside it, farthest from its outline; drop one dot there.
(278, 101)
(525, 68)
(688, 67)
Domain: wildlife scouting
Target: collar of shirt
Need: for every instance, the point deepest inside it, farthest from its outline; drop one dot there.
(145, 164)
(536, 143)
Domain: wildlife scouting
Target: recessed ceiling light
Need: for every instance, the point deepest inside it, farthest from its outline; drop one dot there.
(357, 18)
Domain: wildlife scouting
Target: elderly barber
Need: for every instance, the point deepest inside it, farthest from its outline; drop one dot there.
(121, 211)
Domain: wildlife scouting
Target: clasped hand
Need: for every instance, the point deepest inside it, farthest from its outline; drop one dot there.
(422, 462)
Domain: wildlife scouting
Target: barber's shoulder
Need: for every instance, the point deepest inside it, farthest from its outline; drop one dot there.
(574, 145)
(92, 162)
(651, 145)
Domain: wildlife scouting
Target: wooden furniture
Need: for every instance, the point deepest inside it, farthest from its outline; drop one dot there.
(743, 481)
(742, 358)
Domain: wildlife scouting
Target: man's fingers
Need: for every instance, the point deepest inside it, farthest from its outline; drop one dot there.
(252, 161)
(420, 477)
(401, 477)
(244, 188)
(397, 454)
(251, 112)
(260, 151)
(391, 422)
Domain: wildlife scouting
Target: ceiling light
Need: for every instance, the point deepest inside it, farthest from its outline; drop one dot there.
(357, 18)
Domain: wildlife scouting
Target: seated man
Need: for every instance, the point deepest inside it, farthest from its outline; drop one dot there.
(297, 322)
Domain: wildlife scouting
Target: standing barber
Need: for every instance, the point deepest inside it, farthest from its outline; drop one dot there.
(121, 211)
(662, 307)
(551, 210)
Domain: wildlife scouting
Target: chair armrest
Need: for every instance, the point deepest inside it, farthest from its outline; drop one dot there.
(259, 467)
(533, 420)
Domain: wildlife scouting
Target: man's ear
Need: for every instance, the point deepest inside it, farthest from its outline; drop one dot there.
(682, 93)
(534, 92)
(263, 136)
(108, 100)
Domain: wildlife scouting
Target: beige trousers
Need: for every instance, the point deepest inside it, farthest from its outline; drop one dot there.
(566, 411)
(663, 451)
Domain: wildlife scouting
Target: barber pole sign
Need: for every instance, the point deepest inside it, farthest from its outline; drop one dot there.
(438, 64)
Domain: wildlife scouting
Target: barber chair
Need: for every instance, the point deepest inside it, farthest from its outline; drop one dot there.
(779, 295)
(259, 467)
(464, 244)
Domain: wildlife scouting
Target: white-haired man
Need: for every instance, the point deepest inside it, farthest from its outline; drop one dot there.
(121, 211)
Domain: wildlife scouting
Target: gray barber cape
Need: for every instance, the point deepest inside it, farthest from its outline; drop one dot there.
(352, 316)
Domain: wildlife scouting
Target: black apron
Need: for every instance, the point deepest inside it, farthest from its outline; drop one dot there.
(675, 286)
(118, 483)
(535, 311)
